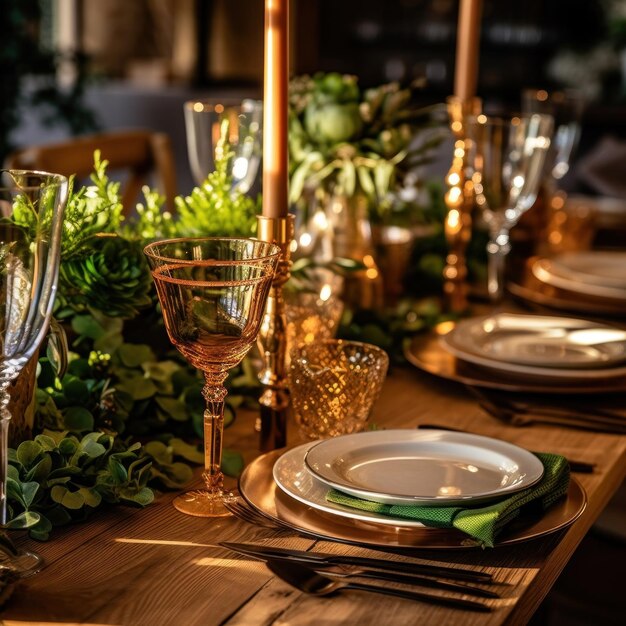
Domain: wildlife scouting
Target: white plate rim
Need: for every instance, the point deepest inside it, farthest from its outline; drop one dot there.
(566, 374)
(520, 455)
(461, 343)
(541, 270)
(567, 265)
(298, 454)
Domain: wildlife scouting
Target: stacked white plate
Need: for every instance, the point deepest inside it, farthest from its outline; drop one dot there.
(553, 348)
(595, 274)
(404, 467)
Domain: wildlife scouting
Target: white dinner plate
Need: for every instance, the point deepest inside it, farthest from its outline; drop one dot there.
(434, 467)
(292, 477)
(539, 342)
(607, 268)
(592, 282)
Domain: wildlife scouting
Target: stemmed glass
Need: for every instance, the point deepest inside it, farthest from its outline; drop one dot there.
(507, 157)
(212, 292)
(31, 220)
(208, 124)
(566, 108)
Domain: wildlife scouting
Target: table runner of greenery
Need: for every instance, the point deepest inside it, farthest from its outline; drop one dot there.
(125, 418)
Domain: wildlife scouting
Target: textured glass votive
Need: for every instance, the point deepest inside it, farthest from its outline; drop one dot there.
(311, 317)
(334, 385)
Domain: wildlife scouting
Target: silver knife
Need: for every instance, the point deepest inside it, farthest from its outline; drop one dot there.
(323, 558)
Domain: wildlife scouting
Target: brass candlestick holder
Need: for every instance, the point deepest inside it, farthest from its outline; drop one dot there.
(459, 199)
(272, 339)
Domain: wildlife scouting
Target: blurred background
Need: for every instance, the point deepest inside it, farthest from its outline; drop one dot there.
(72, 66)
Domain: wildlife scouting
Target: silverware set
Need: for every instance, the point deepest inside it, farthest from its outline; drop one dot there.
(243, 511)
(312, 582)
(320, 573)
(518, 413)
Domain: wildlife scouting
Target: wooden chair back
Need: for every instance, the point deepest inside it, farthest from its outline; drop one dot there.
(137, 154)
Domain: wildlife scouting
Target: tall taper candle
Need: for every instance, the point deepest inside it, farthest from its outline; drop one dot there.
(467, 44)
(275, 109)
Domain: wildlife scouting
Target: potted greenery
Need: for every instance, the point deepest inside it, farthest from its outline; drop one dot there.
(350, 151)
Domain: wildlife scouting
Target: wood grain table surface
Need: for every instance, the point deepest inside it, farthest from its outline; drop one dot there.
(156, 566)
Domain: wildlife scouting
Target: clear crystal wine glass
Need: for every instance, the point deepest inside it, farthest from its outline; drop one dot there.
(212, 293)
(566, 107)
(507, 156)
(208, 123)
(31, 220)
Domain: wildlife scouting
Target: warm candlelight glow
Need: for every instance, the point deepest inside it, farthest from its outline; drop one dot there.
(275, 103)
(468, 35)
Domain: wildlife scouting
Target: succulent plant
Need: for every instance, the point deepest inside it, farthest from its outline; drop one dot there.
(112, 277)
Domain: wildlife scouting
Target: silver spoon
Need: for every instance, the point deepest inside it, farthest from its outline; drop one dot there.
(311, 582)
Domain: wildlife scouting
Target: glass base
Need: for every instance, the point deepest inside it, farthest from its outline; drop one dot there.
(22, 564)
(203, 503)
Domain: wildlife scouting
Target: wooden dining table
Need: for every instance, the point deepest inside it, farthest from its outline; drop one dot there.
(156, 566)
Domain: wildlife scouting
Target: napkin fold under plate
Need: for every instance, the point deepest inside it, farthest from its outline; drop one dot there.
(482, 523)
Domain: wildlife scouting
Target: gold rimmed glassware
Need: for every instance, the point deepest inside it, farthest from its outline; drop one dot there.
(31, 221)
(212, 293)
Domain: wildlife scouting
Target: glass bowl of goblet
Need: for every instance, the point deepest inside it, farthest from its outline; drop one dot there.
(507, 158)
(31, 208)
(212, 292)
(214, 127)
(566, 107)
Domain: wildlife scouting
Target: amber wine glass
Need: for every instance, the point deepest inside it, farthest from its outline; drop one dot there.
(212, 292)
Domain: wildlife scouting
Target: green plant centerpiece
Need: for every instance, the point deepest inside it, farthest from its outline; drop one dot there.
(125, 416)
(351, 151)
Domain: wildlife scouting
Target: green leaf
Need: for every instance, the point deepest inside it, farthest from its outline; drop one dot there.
(78, 419)
(14, 491)
(87, 326)
(26, 519)
(50, 439)
(39, 472)
(159, 451)
(134, 355)
(232, 463)
(173, 407)
(91, 497)
(41, 530)
(138, 387)
(118, 471)
(68, 446)
(29, 492)
(143, 497)
(27, 452)
(76, 391)
(47, 375)
(90, 448)
(187, 451)
(73, 500)
(80, 368)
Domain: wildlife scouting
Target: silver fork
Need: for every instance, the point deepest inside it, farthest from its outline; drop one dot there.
(243, 511)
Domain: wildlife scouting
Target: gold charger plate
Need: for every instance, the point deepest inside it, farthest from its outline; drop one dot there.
(426, 352)
(531, 289)
(258, 488)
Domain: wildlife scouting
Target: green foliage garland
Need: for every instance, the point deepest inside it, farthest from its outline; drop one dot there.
(126, 417)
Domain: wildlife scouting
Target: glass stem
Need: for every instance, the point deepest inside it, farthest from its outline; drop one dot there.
(214, 394)
(497, 250)
(5, 418)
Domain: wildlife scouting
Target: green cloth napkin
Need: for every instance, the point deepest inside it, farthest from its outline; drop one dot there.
(482, 523)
